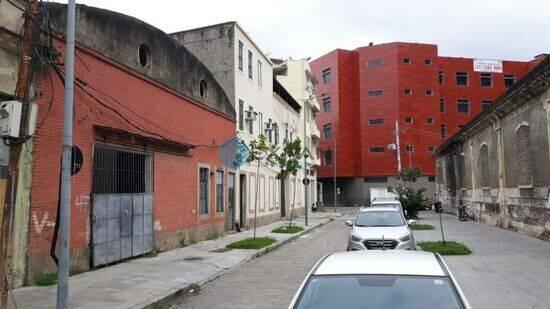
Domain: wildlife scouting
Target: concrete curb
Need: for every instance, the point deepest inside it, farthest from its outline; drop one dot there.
(162, 301)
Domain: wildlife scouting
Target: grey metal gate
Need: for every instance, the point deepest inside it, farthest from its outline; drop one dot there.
(122, 226)
(122, 206)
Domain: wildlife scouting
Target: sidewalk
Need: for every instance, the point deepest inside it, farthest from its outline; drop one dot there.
(144, 282)
(505, 270)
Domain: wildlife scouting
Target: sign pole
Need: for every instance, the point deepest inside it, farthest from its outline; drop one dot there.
(65, 209)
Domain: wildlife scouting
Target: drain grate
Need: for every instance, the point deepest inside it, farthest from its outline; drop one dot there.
(192, 258)
(221, 250)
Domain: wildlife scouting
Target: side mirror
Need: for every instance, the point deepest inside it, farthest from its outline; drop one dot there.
(411, 222)
(348, 223)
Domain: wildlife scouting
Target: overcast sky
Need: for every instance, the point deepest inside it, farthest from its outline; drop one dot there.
(493, 29)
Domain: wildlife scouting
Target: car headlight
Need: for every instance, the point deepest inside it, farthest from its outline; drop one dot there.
(355, 237)
(406, 237)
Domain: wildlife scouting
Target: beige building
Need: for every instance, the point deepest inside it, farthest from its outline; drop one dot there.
(498, 164)
(295, 75)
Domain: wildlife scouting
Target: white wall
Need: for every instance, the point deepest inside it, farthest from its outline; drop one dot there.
(263, 101)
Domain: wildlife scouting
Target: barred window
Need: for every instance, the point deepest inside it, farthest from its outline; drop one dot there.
(120, 170)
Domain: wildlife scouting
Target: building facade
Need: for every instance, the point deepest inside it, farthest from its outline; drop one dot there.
(264, 107)
(498, 164)
(373, 93)
(295, 75)
(149, 120)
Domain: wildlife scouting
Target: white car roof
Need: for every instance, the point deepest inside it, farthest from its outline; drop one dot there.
(374, 208)
(388, 262)
(385, 201)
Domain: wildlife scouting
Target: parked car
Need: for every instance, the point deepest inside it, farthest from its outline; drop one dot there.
(387, 202)
(395, 279)
(380, 228)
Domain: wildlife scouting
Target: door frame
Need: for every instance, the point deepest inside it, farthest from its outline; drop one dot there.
(230, 220)
(242, 199)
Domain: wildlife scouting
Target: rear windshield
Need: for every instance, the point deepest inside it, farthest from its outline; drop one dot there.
(378, 292)
(379, 218)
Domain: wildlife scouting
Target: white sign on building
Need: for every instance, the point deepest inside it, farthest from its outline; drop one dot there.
(489, 66)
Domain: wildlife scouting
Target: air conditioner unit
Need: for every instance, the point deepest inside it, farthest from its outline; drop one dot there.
(392, 146)
(10, 118)
(250, 115)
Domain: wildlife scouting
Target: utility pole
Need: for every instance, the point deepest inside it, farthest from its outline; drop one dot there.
(306, 110)
(335, 187)
(398, 146)
(24, 77)
(65, 205)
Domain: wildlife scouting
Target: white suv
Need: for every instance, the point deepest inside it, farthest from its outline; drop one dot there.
(386, 202)
(380, 228)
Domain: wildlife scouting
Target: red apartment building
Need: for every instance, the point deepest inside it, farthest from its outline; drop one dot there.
(364, 92)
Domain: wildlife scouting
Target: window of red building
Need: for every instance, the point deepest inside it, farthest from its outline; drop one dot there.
(443, 131)
(328, 157)
(376, 93)
(486, 80)
(326, 76)
(509, 80)
(463, 106)
(376, 121)
(462, 78)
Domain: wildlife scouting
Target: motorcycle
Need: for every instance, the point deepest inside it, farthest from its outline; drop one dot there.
(462, 213)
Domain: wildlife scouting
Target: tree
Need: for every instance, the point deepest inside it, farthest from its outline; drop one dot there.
(262, 153)
(287, 160)
(410, 174)
(411, 199)
(289, 164)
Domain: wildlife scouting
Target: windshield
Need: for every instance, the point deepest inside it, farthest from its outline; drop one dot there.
(377, 292)
(379, 218)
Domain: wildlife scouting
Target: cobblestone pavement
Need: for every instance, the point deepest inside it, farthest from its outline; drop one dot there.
(507, 270)
(270, 281)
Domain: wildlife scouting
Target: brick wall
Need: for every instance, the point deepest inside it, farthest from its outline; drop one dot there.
(151, 107)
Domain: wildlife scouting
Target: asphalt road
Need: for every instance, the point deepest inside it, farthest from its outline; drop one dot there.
(272, 280)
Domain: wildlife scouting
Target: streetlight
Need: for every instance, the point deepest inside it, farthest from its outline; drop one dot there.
(334, 160)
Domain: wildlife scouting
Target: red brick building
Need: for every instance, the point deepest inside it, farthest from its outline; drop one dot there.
(364, 92)
(149, 120)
